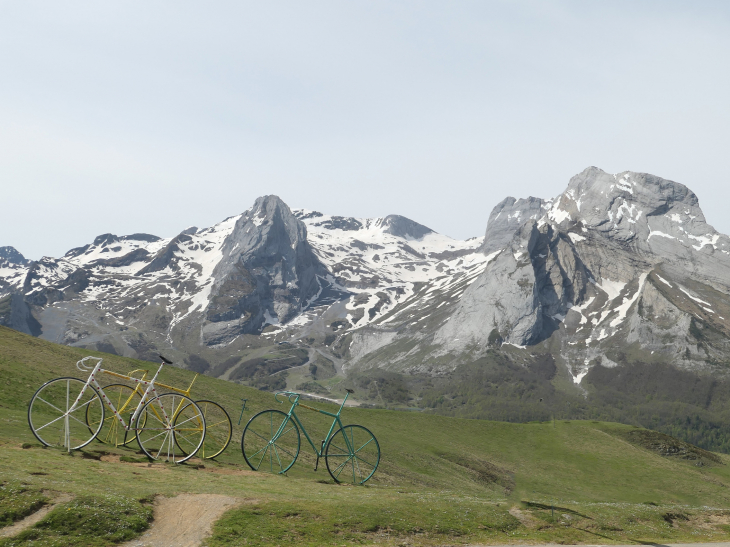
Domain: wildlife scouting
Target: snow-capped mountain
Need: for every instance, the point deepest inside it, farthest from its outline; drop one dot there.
(621, 263)
(615, 260)
(265, 275)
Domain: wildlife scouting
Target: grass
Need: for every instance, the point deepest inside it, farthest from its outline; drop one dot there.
(87, 521)
(18, 501)
(441, 480)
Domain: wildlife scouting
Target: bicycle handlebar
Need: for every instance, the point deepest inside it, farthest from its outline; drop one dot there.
(289, 395)
(86, 368)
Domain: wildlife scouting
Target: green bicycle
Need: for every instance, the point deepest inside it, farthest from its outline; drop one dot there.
(271, 442)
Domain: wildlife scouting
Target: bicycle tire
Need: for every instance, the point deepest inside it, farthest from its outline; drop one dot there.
(352, 447)
(46, 407)
(218, 430)
(258, 439)
(168, 416)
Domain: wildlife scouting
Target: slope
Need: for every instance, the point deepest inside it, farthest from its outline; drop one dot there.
(440, 478)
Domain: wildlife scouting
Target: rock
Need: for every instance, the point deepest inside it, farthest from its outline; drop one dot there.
(10, 255)
(267, 275)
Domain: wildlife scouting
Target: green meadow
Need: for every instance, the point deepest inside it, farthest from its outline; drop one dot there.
(441, 480)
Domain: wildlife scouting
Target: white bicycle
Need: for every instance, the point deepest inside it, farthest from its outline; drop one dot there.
(69, 413)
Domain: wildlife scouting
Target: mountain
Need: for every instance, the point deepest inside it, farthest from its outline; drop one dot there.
(566, 300)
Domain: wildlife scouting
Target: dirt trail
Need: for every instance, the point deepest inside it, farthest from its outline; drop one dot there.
(30, 520)
(185, 520)
(525, 518)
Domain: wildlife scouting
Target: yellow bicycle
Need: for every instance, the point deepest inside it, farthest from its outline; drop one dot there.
(218, 427)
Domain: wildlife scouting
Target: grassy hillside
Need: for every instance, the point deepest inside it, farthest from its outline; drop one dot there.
(441, 479)
(507, 385)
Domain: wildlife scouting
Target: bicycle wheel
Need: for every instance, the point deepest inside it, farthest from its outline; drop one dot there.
(167, 420)
(54, 422)
(352, 454)
(125, 399)
(270, 442)
(218, 430)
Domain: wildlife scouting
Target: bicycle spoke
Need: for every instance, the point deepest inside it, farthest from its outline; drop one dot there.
(360, 458)
(75, 418)
(263, 456)
(52, 406)
(49, 423)
(287, 431)
(342, 465)
(186, 421)
(283, 449)
(259, 436)
(363, 446)
(254, 454)
(153, 438)
(275, 451)
(185, 438)
(356, 464)
(156, 417)
(162, 445)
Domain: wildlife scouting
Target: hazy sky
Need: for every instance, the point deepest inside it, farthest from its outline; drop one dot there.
(151, 117)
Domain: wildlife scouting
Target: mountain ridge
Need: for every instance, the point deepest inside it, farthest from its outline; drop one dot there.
(618, 271)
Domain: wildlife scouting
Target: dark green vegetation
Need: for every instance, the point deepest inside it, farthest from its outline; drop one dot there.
(441, 480)
(88, 521)
(18, 501)
(503, 386)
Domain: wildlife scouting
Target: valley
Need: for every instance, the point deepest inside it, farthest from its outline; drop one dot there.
(441, 480)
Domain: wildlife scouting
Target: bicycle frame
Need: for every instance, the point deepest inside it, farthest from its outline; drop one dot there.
(93, 382)
(138, 388)
(292, 415)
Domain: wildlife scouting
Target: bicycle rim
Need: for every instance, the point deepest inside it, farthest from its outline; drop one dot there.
(218, 430)
(267, 446)
(51, 420)
(171, 420)
(352, 454)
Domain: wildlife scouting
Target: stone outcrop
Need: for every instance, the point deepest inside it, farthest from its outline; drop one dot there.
(268, 273)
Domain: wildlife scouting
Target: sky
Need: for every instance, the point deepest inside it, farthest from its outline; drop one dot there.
(128, 117)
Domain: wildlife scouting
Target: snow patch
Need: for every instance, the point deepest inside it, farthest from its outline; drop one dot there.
(698, 300)
(627, 302)
(575, 238)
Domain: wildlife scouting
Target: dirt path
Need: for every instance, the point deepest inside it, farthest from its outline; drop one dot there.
(527, 520)
(30, 520)
(185, 520)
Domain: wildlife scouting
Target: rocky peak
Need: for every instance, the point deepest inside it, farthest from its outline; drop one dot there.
(658, 217)
(399, 226)
(10, 255)
(267, 273)
(507, 217)
(264, 228)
